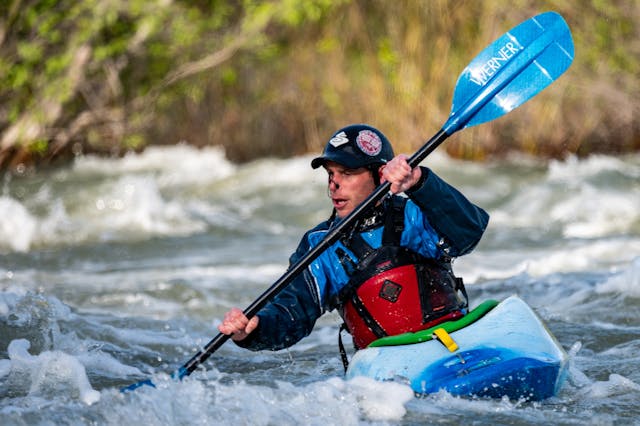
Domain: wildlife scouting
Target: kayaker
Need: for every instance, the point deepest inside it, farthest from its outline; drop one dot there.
(392, 273)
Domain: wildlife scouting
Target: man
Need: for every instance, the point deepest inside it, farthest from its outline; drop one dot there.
(389, 275)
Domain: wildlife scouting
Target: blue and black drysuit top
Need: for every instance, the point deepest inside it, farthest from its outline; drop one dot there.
(439, 223)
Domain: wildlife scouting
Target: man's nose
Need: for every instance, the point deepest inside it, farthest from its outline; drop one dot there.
(332, 180)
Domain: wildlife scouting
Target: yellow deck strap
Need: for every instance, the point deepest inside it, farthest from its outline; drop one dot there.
(444, 338)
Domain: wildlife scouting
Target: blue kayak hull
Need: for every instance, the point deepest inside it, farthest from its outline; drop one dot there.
(507, 352)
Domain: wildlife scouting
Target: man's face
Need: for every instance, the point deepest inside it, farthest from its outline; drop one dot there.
(348, 187)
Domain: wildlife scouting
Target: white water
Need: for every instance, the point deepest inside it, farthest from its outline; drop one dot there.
(116, 270)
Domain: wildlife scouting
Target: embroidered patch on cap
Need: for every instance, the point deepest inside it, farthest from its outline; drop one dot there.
(369, 142)
(339, 139)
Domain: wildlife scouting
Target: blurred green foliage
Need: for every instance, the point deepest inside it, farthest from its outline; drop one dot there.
(275, 78)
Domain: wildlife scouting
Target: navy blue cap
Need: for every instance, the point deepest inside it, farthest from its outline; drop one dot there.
(355, 146)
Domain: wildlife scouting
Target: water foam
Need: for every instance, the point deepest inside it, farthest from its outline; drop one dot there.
(572, 168)
(32, 321)
(173, 165)
(134, 204)
(17, 225)
(626, 282)
(47, 374)
(381, 401)
(137, 196)
(331, 401)
(616, 385)
(131, 207)
(589, 212)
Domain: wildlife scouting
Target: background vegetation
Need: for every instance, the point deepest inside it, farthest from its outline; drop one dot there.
(276, 78)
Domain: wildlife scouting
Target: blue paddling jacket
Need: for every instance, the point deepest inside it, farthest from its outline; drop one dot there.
(439, 223)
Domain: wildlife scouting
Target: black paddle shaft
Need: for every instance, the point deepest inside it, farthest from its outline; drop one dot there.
(297, 268)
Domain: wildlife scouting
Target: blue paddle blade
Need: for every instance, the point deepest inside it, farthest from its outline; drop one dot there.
(511, 71)
(135, 386)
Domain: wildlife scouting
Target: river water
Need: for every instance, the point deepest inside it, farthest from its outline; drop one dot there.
(117, 270)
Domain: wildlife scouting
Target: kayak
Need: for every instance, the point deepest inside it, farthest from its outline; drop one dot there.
(496, 350)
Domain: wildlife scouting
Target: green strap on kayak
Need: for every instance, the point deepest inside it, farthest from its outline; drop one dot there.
(426, 335)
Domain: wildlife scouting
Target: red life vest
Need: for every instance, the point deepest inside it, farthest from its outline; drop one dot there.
(393, 290)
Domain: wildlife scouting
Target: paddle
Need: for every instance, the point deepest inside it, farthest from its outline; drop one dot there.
(513, 69)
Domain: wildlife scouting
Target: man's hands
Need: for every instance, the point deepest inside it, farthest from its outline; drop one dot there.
(399, 174)
(236, 324)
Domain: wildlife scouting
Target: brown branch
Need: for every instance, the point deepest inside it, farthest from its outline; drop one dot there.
(208, 62)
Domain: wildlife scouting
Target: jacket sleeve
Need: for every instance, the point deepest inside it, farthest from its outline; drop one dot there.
(459, 222)
(290, 316)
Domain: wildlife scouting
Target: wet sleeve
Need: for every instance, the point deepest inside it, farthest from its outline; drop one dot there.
(459, 222)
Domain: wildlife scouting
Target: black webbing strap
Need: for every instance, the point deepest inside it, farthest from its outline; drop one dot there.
(358, 246)
(394, 222)
(460, 286)
(343, 351)
(346, 262)
(424, 292)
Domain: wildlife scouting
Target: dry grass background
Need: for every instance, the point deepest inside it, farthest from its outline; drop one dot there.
(280, 83)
